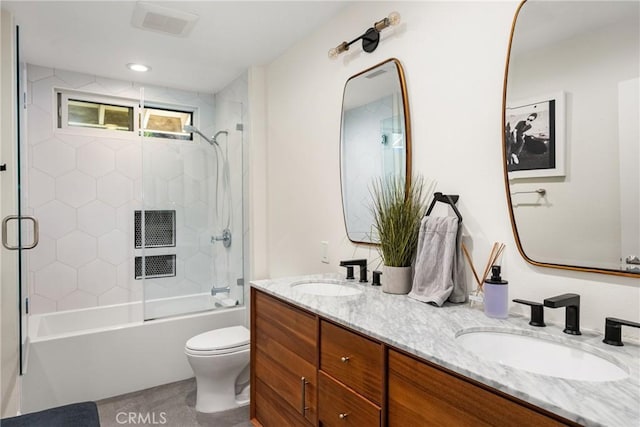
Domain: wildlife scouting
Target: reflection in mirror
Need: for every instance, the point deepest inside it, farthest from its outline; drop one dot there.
(375, 141)
(571, 140)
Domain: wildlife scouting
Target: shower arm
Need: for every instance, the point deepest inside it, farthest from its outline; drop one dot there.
(193, 129)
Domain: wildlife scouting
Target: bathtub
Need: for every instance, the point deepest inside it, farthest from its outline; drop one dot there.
(95, 353)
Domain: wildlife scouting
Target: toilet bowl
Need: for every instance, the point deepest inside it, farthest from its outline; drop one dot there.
(220, 360)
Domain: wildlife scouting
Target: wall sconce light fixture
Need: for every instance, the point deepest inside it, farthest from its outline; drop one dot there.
(370, 38)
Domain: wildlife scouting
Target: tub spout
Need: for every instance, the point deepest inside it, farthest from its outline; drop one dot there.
(215, 291)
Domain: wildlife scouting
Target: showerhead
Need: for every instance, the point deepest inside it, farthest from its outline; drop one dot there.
(193, 129)
(212, 141)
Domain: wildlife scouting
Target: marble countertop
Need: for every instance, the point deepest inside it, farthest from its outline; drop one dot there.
(430, 333)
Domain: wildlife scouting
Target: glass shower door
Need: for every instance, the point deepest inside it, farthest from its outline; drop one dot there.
(186, 231)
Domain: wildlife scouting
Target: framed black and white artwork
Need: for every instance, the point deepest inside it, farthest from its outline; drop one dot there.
(535, 137)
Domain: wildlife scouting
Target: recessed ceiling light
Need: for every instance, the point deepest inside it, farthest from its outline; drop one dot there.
(138, 67)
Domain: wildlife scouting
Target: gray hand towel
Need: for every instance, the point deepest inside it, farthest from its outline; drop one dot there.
(439, 268)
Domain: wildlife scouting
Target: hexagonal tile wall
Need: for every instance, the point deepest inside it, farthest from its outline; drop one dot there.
(76, 300)
(115, 247)
(76, 249)
(43, 254)
(129, 159)
(198, 268)
(56, 219)
(95, 159)
(96, 218)
(42, 188)
(84, 189)
(114, 295)
(97, 277)
(55, 281)
(166, 163)
(75, 188)
(115, 189)
(54, 157)
(39, 304)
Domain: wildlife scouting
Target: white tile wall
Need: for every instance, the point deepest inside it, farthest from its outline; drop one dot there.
(76, 249)
(85, 189)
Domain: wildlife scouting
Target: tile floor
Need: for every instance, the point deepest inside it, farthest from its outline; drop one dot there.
(170, 405)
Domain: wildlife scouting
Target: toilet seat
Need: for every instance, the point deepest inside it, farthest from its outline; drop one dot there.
(219, 341)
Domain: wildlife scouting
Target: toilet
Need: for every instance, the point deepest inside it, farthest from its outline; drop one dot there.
(220, 362)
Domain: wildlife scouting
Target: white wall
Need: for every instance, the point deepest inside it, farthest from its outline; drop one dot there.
(454, 57)
(576, 213)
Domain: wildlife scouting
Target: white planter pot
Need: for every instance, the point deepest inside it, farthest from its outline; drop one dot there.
(396, 280)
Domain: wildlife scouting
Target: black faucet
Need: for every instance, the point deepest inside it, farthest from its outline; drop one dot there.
(362, 263)
(537, 312)
(572, 313)
(613, 330)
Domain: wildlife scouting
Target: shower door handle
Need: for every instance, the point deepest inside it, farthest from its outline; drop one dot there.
(36, 232)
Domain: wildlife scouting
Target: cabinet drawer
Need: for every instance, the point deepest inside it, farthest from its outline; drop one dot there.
(339, 406)
(420, 394)
(352, 359)
(291, 327)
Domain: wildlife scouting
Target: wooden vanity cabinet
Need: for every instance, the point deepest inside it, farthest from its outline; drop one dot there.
(284, 360)
(306, 371)
(420, 394)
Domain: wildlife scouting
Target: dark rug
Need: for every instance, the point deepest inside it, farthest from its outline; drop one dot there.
(83, 414)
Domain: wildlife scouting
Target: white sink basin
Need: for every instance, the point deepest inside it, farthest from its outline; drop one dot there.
(540, 356)
(326, 289)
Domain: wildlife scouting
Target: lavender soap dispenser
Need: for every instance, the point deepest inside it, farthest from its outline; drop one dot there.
(496, 295)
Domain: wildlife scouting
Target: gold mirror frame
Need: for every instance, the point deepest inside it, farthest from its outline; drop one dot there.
(507, 188)
(407, 132)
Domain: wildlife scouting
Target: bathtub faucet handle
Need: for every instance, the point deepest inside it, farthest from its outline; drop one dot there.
(225, 238)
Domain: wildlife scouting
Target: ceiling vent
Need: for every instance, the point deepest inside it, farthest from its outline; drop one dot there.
(151, 17)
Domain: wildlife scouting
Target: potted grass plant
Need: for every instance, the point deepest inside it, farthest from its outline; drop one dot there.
(397, 213)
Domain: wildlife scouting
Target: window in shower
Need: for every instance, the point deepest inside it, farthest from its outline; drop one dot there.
(93, 114)
(166, 123)
(83, 111)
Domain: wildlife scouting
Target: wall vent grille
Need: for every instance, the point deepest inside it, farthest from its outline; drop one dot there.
(159, 229)
(156, 266)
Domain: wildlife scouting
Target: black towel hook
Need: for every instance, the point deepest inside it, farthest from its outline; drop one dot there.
(450, 199)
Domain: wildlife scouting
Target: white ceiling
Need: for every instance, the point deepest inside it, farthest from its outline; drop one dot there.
(97, 37)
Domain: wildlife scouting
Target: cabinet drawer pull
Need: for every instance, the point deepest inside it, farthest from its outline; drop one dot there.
(344, 359)
(343, 415)
(303, 407)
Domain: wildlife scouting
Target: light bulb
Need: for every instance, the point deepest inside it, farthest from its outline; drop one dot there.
(335, 51)
(138, 67)
(394, 18)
